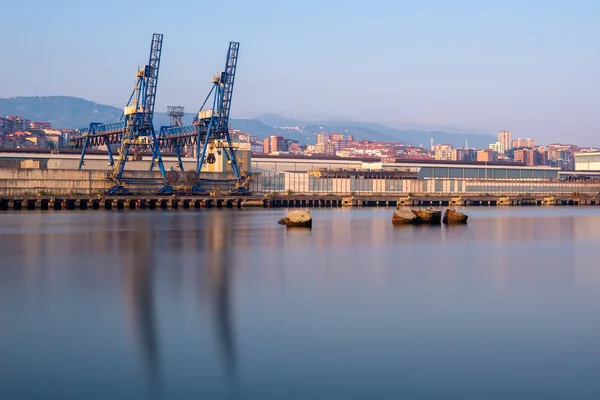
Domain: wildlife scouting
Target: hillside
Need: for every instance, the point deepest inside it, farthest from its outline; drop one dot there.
(379, 132)
(61, 111)
(72, 112)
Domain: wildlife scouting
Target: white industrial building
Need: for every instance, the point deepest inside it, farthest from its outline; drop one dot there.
(587, 161)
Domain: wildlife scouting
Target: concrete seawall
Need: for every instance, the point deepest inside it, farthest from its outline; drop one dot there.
(25, 182)
(15, 182)
(140, 202)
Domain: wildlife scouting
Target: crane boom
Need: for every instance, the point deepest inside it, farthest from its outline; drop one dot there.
(151, 74)
(227, 81)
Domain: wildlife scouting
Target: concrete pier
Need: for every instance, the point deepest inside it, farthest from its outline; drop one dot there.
(57, 203)
(33, 182)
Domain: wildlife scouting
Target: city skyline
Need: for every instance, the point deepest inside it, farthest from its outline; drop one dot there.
(523, 66)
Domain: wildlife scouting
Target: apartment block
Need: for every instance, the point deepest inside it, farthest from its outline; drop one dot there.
(518, 143)
(504, 138)
(487, 155)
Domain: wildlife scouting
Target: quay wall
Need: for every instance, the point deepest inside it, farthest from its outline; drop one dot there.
(17, 181)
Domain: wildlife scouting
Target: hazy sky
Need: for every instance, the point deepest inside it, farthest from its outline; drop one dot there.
(527, 66)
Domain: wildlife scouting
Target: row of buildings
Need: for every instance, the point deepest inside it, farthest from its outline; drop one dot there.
(19, 132)
(505, 143)
(526, 151)
(506, 149)
(337, 144)
(521, 150)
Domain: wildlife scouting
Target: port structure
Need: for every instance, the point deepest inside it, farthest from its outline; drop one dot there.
(176, 114)
(134, 131)
(210, 129)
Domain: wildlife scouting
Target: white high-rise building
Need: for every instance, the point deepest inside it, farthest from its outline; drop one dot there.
(504, 138)
(498, 147)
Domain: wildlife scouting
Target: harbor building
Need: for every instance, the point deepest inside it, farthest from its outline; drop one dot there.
(587, 161)
(286, 173)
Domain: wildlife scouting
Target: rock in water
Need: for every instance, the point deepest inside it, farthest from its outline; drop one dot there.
(297, 219)
(454, 217)
(403, 216)
(428, 216)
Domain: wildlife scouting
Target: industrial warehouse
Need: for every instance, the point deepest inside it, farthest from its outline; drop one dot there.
(59, 174)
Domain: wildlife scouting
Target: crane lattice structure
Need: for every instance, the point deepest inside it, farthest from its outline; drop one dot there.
(176, 113)
(134, 131)
(210, 129)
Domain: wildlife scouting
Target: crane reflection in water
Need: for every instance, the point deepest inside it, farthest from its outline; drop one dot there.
(139, 296)
(215, 278)
(207, 250)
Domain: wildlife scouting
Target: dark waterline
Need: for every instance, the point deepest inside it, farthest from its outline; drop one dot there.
(228, 304)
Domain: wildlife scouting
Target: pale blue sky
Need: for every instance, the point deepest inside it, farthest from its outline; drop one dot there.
(528, 66)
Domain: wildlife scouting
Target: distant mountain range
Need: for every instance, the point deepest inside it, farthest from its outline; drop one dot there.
(73, 112)
(61, 111)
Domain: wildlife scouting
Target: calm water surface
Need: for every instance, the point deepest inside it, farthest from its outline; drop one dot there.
(228, 304)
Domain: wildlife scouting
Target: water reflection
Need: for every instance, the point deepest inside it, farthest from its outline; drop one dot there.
(207, 249)
(195, 304)
(219, 243)
(139, 244)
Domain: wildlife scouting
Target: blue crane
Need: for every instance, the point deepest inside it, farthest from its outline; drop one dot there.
(210, 130)
(134, 130)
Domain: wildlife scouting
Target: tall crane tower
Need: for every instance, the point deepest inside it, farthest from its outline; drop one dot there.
(216, 120)
(139, 128)
(134, 131)
(210, 129)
